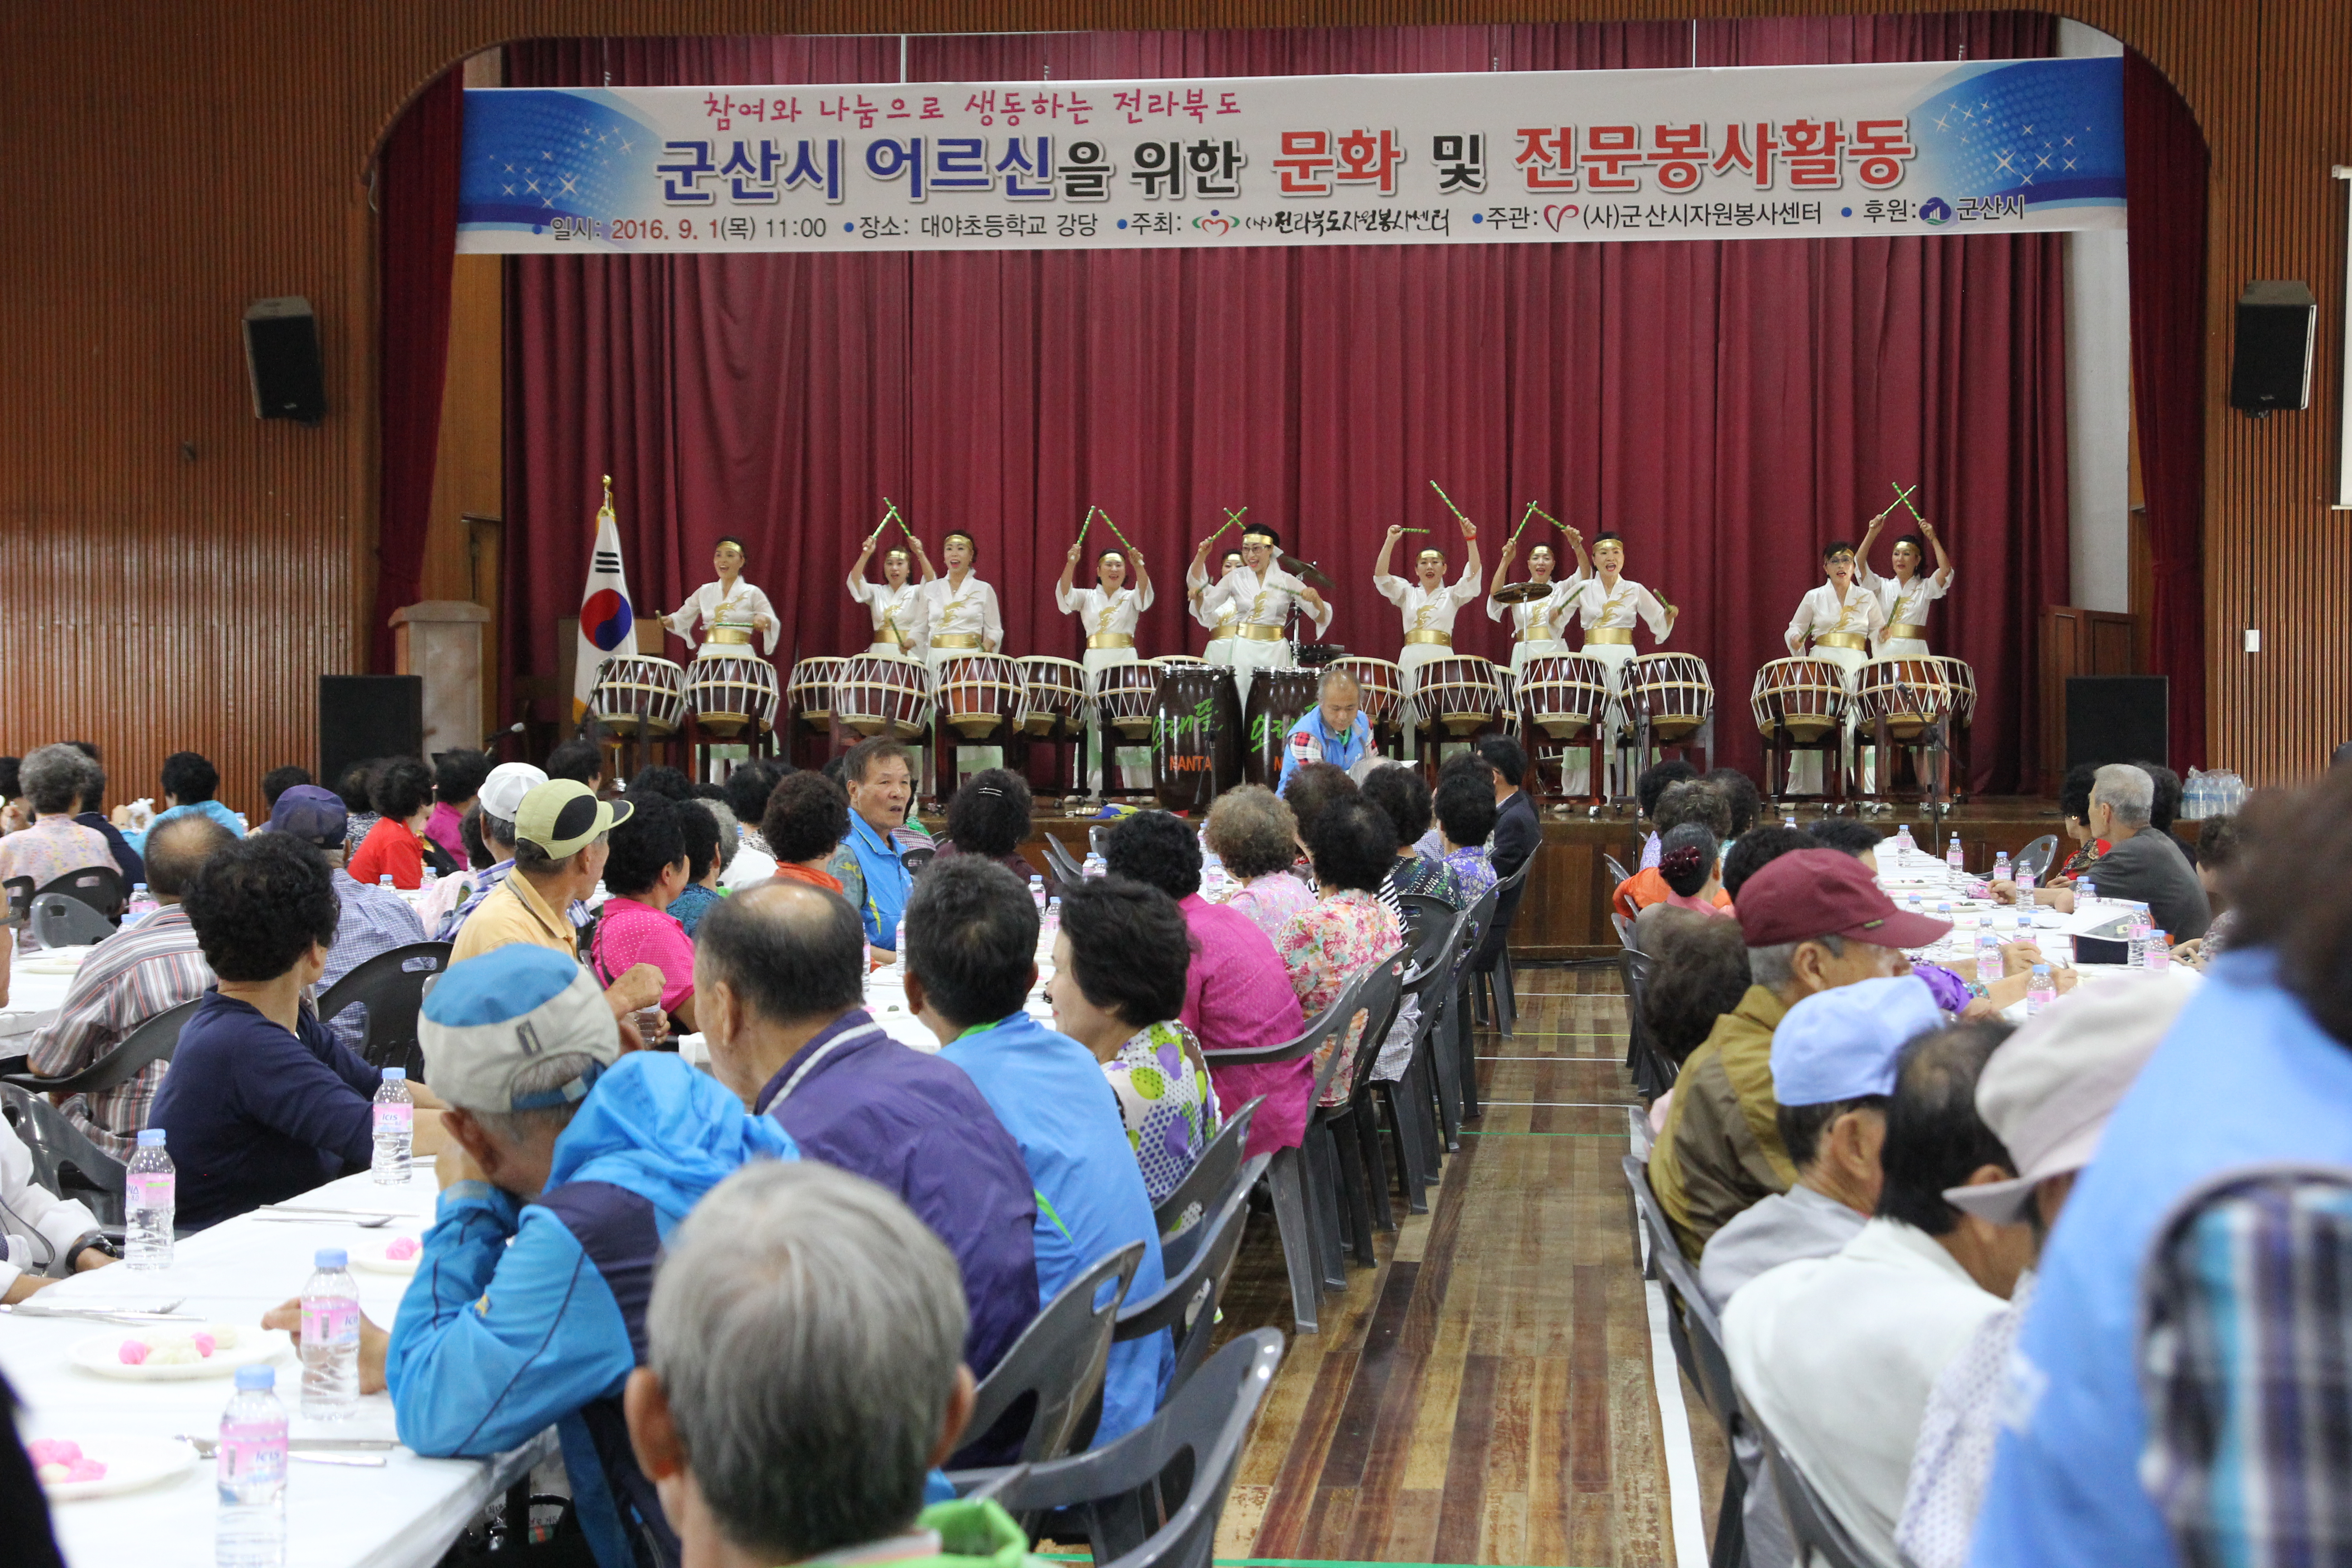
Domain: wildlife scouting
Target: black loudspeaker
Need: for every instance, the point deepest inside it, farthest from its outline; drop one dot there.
(362, 716)
(2118, 719)
(281, 353)
(2271, 369)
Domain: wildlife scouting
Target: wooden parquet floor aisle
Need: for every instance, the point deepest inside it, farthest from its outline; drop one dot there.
(1485, 1395)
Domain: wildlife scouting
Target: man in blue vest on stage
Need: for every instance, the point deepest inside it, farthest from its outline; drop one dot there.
(1333, 730)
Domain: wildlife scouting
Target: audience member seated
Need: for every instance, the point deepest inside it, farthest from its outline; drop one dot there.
(1465, 808)
(1740, 794)
(1690, 864)
(1698, 974)
(1119, 961)
(42, 1237)
(55, 844)
(91, 812)
(2220, 853)
(1848, 837)
(441, 900)
(568, 1164)
(2144, 867)
(15, 811)
(277, 781)
(2074, 813)
(645, 869)
(1254, 831)
(1688, 801)
(1431, 846)
(402, 794)
(580, 759)
(663, 780)
(781, 995)
(990, 817)
(1838, 1354)
(2046, 1095)
(699, 830)
(1517, 829)
(749, 786)
(1307, 795)
(2164, 799)
(499, 799)
(1348, 929)
(354, 786)
(971, 958)
(1651, 787)
(1237, 996)
(147, 970)
(1814, 920)
(1403, 799)
(457, 778)
(2256, 1069)
(808, 817)
(880, 781)
(262, 1103)
(563, 835)
(189, 782)
(1759, 848)
(373, 921)
(802, 1376)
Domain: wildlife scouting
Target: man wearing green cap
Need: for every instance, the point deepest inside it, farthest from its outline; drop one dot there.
(560, 848)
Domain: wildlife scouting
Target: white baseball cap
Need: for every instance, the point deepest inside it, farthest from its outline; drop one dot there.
(502, 792)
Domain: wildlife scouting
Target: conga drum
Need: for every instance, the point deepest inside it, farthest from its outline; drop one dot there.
(1196, 732)
(1383, 688)
(883, 694)
(1674, 689)
(1054, 697)
(732, 695)
(1908, 695)
(808, 692)
(981, 694)
(1800, 699)
(1124, 695)
(1563, 696)
(635, 695)
(1277, 700)
(1463, 693)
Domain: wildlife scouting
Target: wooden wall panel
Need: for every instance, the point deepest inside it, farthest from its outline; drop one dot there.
(174, 572)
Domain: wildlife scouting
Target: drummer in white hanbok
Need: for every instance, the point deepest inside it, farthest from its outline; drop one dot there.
(730, 611)
(896, 601)
(1429, 608)
(1839, 619)
(1905, 597)
(1533, 623)
(1108, 611)
(960, 613)
(1220, 626)
(1610, 605)
(1260, 595)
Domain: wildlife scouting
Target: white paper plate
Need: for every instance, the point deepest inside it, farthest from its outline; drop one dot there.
(371, 1260)
(131, 1464)
(101, 1354)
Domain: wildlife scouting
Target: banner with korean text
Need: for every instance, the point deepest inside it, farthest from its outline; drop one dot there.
(1764, 153)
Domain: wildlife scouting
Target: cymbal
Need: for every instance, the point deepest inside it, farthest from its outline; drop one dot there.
(1307, 571)
(1520, 593)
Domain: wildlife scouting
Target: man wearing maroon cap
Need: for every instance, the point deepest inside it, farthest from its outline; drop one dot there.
(1814, 920)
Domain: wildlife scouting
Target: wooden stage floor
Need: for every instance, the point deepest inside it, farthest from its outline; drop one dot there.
(1486, 1394)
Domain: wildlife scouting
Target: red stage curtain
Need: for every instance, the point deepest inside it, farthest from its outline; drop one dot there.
(417, 235)
(2165, 171)
(1727, 407)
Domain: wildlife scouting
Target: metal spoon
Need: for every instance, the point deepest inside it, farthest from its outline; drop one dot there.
(373, 1222)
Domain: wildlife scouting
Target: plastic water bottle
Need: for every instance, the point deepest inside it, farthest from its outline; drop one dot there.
(2086, 892)
(141, 905)
(149, 1195)
(330, 1338)
(250, 1471)
(395, 1127)
(2025, 879)
(384, 882)
(1988, 957)
(2159, 949)
(1094, 865)
(2001, 867)
(1788, 820)
(898, 952)
(1918, 906)
(1953, 857)
(1053, 914)
(2040, 991)
(432, 879)
(1037, 893)
(2136, 934)
(1903, 839)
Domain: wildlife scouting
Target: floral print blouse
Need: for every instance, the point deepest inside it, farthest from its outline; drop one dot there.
(1162, 1084)
(1473, 871)
(1324, 947)
(1270, 900)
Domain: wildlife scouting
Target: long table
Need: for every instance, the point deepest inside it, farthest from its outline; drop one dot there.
(403, 1515)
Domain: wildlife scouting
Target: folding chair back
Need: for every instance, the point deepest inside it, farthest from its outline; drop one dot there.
(916, 859)
(64, 1159)
(1617, 873)
(1058, 1364)
(1067, 867)
(1187, 1303)
(99, 886)
(60, 919)
(1179, 1214)
(1653, 1074)
(2036, 857)
(152, 1041)
(392, 987)
(1820, 1537)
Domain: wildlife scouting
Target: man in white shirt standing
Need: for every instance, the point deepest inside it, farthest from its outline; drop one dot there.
(1429, 608)
(1837, 1355)
(1109, 612)
(1259, 594)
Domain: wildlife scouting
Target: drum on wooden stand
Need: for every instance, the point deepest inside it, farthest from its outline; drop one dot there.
(980, 695)
(882, 694)
(1123, 696)
(1463, 693)
(1196, 735)
(1562, 696)
(1054, 699)
(1277, 700)
(638, 696)
(1800, 704)
(808, 691)
(1383, 685)
(1677, 692)
(732, 695)
(1961, 677)
(1906, 695)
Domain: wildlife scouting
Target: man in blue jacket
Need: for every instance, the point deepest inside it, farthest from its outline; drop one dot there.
(571, 1163)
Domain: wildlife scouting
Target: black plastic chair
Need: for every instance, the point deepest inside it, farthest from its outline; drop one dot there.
(1462, 1013)
(1056, 1365)
(20, 899)
(915, 859)
(152, 1041)
(65, 1160)
(1617, 873)
(1187, 1303)
(2036, 857)
(99, 886)
(1179, 1214)
(391, 986)
(1066, 867)
(1819, 1535)
(1411, 1116)
(60, 919)
(1653, 1072)
(1152, 1498)
(1439, 1004)
(1492, 963)
(1359, 1187)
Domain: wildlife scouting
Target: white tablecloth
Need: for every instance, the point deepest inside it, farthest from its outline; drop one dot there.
(402, 1516)
(37, 983)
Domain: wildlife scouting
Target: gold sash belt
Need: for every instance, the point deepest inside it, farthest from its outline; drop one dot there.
(1841, 639)
(1111, 639)
(1905, 629)
(1615, 636)
(1443, 640)
(1223, 632)
(889, 632)
(731, 636)
(955, 639)
(1260, 634)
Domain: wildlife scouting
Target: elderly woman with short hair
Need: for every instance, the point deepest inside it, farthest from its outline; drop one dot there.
(1350, 929)
(1250, 829)
(55, 844)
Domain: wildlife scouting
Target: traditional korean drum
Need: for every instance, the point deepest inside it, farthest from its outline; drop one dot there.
(1909, 694)
(981, 694)
(1674, 689)
(1124, 694)
(1277, 700)
(1562, 695)
(1196, 734)
(883, 694)
(635, 695)
(1961, 678)
(1383, 688)
(732, 695)
(1463, 693)
(1803, 698)
(808, 693)
(1053, 701)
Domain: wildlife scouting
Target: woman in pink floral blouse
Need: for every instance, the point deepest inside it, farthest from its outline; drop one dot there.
(1252, 831)
(1350, 929)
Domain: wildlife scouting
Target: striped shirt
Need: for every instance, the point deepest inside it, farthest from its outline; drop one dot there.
(373, 921)
(128, 979)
